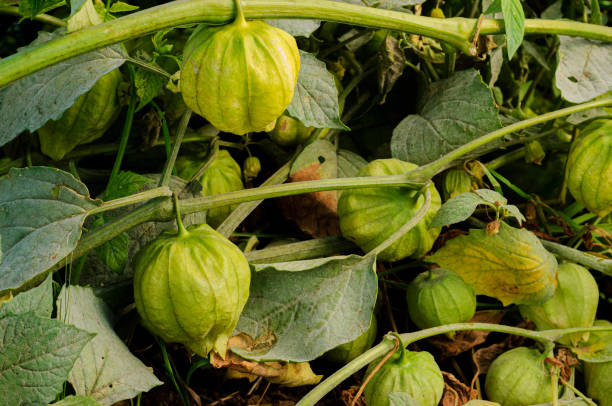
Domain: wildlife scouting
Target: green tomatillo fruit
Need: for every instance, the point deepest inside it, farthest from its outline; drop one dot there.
(240, 76)
(439, 297)
(414, 373)
(251, 167)
(349, 351)
(288, 131)
(369, 216)
(589, 167)
(86, 120)
(598, 375)
(455, 182)
(190, 288)
(518, 377)
(223, 175)
(573, 304)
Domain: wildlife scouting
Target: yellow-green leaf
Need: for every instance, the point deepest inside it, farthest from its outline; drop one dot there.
(511, 265)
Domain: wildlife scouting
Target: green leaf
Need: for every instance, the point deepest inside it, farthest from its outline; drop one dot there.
(511, 265)
(349, 163)
(401, 399)
(308, 307)
(36, 355)
(494, 8)
(315, 101)
(581, 82)
(126, 183)
(41, 214)
(106, 370)
(148, 84)
(114, 253)
(31, 8)
(85, 16)
(46, 94)
(75, 6)
(297, 28)
(456, 209)
(76, 401)
(38, 301)
(452, 112)
(514, 22)
(121, 7)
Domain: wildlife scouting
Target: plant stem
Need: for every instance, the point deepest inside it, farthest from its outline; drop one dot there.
(546, 336)
(148, 66)
(426, 172)
(406, 227)
(180, 133)
(132, 199)
(316, 248)
(43, 18)
(241, 212)
(454, 31)
(603, 265)
(127, 128)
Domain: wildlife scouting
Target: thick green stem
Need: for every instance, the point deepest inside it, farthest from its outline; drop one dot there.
(454, 31)
(426, 172)
(132, 199)
(316, 248)
(603, 265)
(545, 337)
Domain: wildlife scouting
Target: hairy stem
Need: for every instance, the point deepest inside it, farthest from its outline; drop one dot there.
(454, 31)
(545, 337)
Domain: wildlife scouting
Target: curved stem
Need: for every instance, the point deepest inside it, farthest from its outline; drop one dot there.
(426, 172)
(239, 13)
(454, 31)
(182, 231)
(546, 337)
(43, 18)
(405, 228)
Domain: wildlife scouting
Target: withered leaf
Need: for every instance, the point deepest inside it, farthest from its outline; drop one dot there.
(280, 372)
(455, 392)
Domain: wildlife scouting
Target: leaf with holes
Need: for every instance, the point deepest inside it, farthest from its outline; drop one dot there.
(41, 214)
(592, 77)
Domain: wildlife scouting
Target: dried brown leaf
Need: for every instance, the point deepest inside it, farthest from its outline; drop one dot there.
(280, 372)
(455, 392)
